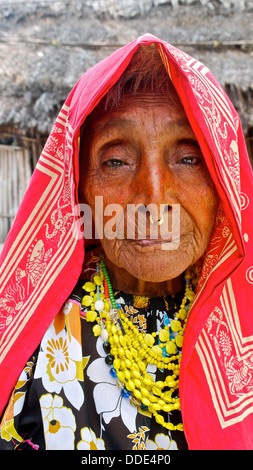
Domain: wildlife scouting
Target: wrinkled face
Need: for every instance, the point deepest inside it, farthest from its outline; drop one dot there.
(143, 153)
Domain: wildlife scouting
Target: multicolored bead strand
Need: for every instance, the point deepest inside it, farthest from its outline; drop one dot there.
(129, 351)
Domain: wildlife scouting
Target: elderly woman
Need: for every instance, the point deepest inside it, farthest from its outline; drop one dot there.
(145, 341)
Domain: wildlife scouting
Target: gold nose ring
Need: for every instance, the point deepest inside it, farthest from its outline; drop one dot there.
(159, 221)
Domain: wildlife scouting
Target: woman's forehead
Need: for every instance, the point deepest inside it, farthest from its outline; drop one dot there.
(135, 107)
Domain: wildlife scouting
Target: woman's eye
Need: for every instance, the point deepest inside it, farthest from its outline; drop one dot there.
(113, 163)
(190, 160)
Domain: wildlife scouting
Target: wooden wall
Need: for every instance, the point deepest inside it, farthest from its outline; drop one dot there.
(17, 162)
(15, 174)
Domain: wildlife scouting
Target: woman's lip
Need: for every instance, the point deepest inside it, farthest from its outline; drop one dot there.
(149, 241)
(149, 244)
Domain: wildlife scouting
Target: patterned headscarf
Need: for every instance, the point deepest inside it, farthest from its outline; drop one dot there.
(43, 255)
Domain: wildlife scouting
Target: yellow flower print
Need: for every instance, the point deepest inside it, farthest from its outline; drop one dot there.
(59, 423)
(141, 301)
(142, 322)
(161, 442)
(26, 374)
(58, 355)
(73, 321)
(130, 310)
(138, 320)
(15, 405)
(7, 429)
(138, 438)
(69, 317)
(60, 364)
(90, 441)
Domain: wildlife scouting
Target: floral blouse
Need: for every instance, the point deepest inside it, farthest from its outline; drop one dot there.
(66, 397)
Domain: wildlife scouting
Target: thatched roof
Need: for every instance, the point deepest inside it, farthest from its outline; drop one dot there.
(46, 45)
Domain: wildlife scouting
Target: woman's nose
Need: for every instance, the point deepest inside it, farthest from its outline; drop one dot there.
(155, 191)
(156, 185)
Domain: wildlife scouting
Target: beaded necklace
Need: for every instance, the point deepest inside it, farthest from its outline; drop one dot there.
(129, 351)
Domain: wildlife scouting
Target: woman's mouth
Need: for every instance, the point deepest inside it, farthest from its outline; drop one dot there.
(148, 244)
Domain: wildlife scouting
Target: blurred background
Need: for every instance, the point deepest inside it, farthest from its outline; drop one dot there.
(46, 45)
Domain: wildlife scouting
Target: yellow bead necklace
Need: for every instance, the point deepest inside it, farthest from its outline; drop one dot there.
(129, 351)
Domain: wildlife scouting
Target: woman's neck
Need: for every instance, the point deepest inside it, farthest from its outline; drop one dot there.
(123, 281)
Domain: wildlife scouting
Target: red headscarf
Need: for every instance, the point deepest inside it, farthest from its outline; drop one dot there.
(42, 260)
